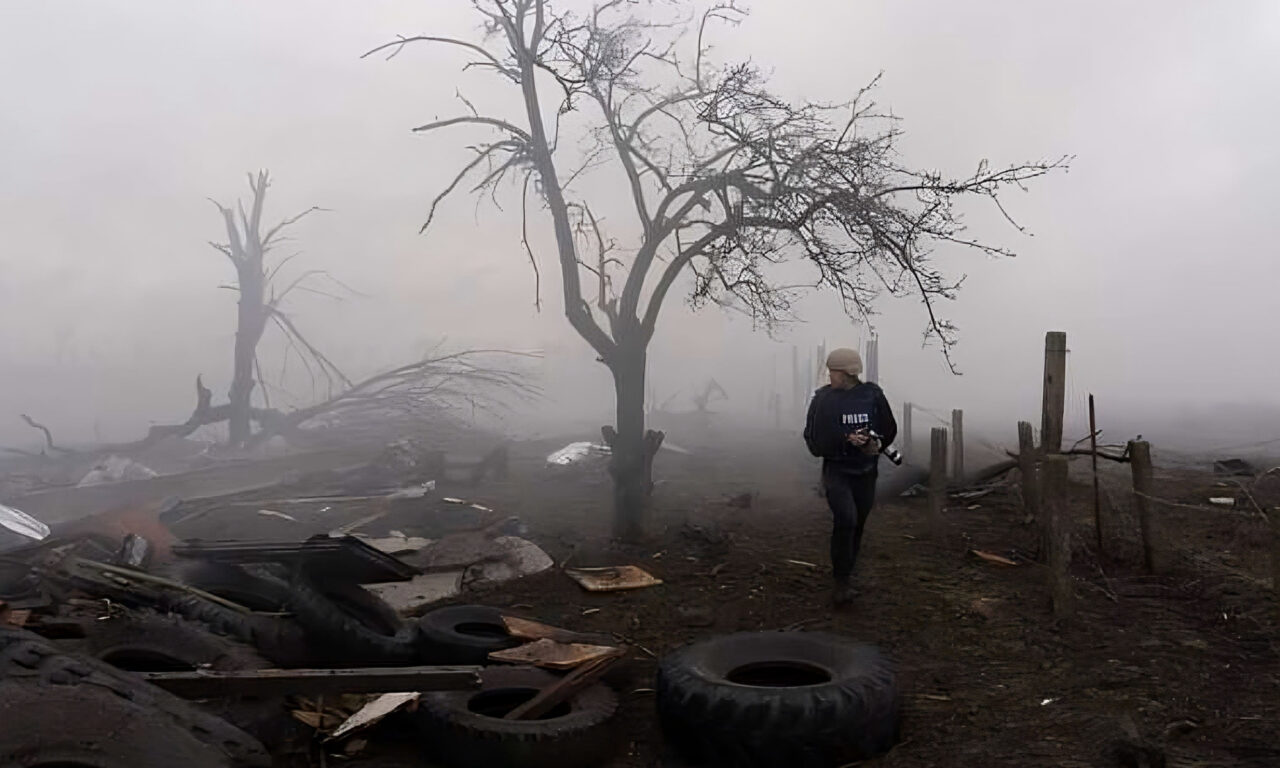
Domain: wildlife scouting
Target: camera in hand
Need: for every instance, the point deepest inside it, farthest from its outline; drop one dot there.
(893, 454)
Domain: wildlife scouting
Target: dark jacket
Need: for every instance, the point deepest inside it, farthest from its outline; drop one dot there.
(834, 414)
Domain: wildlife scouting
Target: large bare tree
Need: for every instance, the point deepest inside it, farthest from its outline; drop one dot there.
(728, 181)
(249, 247)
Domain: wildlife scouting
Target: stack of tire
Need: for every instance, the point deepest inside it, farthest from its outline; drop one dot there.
(340, 624)
(63, 710)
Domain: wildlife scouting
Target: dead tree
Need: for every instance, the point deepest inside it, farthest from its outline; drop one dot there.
(249, 247)
(702, 400)
(727, 181)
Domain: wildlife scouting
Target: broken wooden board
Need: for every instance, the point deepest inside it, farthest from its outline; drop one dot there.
(562, 690)
(613, 578)
(375, 711)
(549, 654)
(524, 629)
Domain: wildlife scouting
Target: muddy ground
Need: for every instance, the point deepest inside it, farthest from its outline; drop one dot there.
(1188, 658)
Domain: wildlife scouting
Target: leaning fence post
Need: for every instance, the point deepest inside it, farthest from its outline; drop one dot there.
(1140, 462)
(937, 479)
(1058, 530)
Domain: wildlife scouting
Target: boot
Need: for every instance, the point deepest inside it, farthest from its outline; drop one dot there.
(844, 593)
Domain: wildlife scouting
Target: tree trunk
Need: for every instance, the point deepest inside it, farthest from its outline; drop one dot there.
(633, 447)
(252, 321)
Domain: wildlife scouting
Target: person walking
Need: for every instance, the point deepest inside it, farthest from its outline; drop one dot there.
(849, 421)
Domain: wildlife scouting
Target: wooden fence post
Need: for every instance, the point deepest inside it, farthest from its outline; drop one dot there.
(1275, 561)
(1055, 391)
(905, 432)
(937, 479)
(1058, 527)
(1140, 462)
(1097, 490)
(957, 444)
(1027, 468)
(797, 393)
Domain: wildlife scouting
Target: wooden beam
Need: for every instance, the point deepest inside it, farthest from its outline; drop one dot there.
(204, 684)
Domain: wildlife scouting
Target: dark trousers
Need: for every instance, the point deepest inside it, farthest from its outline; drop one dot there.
(850, 497)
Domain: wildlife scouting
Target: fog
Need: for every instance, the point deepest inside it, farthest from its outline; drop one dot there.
(1155, 253)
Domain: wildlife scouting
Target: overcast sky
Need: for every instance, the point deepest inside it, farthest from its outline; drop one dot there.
(121, 117)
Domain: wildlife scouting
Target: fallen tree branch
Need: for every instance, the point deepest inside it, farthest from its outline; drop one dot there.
(1122, 459)
(48, 436)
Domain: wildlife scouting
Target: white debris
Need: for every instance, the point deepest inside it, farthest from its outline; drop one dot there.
(408, 597)
(23, 524)
(374, 711)
(115, 469)
(1223, 501)
(397, 543)
(281, 515)
(575, 453)
(413, 491)
(520, 557)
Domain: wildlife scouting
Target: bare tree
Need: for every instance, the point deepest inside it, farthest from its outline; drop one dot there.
(728, 181)
(249, 247)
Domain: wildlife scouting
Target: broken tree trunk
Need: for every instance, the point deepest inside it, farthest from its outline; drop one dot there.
(633, 448)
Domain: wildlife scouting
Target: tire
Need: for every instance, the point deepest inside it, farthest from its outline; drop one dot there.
(278, 638)
(576, 735)
(338, 623)
(463, 634)
(146, 641)
(352, 626)
(65, 710)
(764, 699)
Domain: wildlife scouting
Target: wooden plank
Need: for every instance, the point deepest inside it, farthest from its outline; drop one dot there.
(549, 654)
(562, 690)
(203, 684)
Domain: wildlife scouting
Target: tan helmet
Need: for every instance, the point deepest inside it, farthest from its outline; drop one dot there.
(846, 360)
